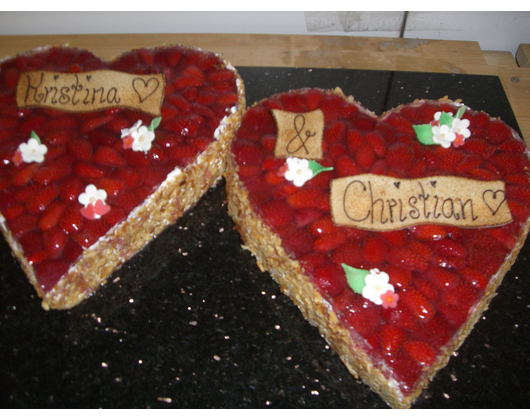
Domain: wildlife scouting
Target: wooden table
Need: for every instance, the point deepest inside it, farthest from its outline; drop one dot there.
(319, 51)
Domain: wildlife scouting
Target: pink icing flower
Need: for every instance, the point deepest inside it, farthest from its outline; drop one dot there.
(17, 158)
(390, 299)
(93, 201)
(459, 141)
(128, 142)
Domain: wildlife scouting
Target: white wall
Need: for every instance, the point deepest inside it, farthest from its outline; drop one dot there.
(502, 31)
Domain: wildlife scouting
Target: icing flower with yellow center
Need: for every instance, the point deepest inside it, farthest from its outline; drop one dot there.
(460, 128)
(32, 151)
(374, 285)
(93, 200)
(444, 129)
(139, 138)
(443, 135)
(299, 171)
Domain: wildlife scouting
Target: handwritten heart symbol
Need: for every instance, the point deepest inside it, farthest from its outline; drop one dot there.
(397, 184)
(56, 77)
(88, 77)
(145, 88)
(433, 183)
(494, 199)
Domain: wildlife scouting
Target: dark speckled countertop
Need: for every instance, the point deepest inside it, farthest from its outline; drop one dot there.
(191, 322)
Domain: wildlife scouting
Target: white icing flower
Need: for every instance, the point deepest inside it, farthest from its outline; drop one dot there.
(139, 137)
(438, 114)
(298, 172)
(443, 135)
(92, 195)
(142, 139)
(33, 151)
(128, 131)
(376, 284)
(93, 201)
(461, 127)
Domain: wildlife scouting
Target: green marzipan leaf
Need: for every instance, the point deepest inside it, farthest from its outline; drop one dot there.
(446, 119)
(460, 112)
(154, 123)
(424, 133)
(316, 167)
(34, 135)
(355, 277)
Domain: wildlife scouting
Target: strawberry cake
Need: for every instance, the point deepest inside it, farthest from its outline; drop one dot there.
(98, 157)
(390, 233)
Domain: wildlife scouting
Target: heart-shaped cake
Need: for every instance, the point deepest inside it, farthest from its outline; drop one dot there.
(390, 233)
(98, 157)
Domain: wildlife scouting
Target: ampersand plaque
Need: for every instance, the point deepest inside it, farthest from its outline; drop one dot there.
(299, 134)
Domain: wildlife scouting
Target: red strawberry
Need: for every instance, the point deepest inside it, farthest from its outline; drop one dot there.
(400, 156)
(93, 123)
(442, 278)
(377, 142)
(59, 136)
(331, 106)
(304, 217)
(22, 224)
(450, 248)
(353, 140)
(400, 123)
(32, 123)
(322, 226)
(49, 272)
(364, 156)
(330, 242)
(334, 132)
(112, 186)
(454, 315)
(13, 212)
(391, 337)
(400, 316)
(25, 174)
(429, 232)
(400, 278)
(420, 351)
(54, 171)
(405, 258)
(40, 199)
(92, 230)
(300, 242)
(71, 220)
(349, 253)
(313, 98)
(108, 156)
(346, 166)
(51, 216)
(419, 306)
(498, 132)
(374, 250)
(54, 240)
(462, 296)
(304, 198)
(81, 149)
(87, 171)
(474, 278)
(362, 317)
